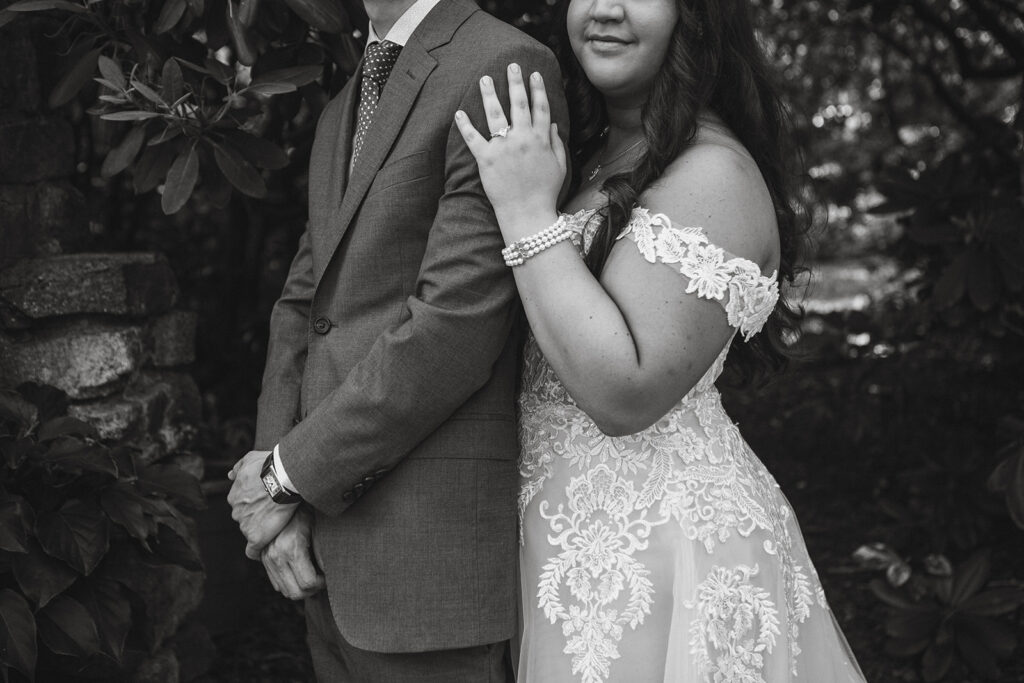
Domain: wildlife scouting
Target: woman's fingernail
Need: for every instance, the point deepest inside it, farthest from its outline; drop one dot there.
(535, 76)
(514, 68)
(460, 115)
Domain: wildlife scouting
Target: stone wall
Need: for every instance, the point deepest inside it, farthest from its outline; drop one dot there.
(102, 327)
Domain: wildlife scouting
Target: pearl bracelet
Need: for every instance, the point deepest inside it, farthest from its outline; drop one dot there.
(516, 253)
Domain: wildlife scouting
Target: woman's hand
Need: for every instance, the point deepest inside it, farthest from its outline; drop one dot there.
(523, 169)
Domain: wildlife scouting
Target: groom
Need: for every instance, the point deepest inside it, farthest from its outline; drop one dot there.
(386, 428)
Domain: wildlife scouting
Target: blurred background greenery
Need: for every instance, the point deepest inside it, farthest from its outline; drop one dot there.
(900, 440)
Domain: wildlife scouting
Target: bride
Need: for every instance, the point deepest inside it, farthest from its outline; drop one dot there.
(655, 545)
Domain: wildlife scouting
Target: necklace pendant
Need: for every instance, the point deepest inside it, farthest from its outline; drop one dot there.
(593, 174)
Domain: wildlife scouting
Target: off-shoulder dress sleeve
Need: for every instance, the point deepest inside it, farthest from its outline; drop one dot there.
(736, 283)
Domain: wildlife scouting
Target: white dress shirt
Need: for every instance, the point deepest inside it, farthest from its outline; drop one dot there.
(399, 34)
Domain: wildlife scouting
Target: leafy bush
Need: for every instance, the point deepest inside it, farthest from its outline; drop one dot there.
(1007, 478)
(964, 233)
(962, 616)
(67, 503)
(194, 80)
(952, 615)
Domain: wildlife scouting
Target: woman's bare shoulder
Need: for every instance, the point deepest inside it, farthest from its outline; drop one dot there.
(718, 187)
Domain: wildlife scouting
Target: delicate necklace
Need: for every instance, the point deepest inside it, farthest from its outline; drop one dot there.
(601, 164)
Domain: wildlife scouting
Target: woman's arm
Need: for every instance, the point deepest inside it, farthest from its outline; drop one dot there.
(630, 346)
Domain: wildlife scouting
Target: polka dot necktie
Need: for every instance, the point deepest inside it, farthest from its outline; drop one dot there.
(380, 60)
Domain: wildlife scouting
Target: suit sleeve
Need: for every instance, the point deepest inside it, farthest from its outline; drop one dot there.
(450, 335)
(286, 352)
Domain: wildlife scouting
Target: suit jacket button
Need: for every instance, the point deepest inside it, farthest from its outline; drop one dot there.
(322, 325)
(347, 496)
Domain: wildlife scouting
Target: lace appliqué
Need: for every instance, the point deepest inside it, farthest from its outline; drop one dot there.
(691, 469)
(598, 538)
(736, 626)
(711, 271)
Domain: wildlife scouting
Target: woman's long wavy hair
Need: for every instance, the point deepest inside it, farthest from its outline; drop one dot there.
(714, 63)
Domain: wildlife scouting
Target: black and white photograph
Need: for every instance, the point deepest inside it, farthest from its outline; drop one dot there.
(511, 341)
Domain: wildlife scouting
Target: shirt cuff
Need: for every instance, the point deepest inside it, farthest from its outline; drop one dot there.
(282, 476)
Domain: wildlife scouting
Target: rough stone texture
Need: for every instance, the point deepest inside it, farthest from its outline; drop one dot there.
(173, 339)
(119, 284)
(90, 324)
(83, 358)
(19, 79)
(175, 407)
(36, 149)
(113, 418)
(156, 412)
(160, 667)
(40, 219)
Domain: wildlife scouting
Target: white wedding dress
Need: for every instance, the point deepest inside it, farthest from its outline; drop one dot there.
(668, 555)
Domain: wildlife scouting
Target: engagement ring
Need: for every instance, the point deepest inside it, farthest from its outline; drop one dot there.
(501, 133)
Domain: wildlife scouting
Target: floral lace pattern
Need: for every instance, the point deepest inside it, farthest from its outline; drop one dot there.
(736, 628)
(713, 273)
(596, 564)
(690, 471)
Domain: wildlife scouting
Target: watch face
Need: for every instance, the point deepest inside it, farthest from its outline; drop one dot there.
(271, 484)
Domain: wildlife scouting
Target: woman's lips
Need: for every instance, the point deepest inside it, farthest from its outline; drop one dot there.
(606, 44)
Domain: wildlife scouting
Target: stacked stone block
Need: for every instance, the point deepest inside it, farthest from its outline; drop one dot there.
(102, 327)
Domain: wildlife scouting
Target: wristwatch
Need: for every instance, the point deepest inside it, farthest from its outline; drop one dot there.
(277, 492)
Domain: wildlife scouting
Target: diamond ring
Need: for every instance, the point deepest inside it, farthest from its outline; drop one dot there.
(501, 133)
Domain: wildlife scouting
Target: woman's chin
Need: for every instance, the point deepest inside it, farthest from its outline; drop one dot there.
(616, 84)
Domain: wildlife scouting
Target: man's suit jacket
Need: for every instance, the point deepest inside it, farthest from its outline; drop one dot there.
(391, 370)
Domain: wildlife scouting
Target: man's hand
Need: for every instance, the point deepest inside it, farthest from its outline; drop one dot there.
(260, 518)
(289, 559)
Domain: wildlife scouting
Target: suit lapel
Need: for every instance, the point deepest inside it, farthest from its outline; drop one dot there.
(404, 84)
(343, 148)
(407, 78)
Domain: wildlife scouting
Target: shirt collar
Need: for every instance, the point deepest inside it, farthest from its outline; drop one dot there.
(406, 24)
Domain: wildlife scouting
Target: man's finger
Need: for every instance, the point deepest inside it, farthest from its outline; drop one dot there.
(518, 101)
(280, 576)
(319, 583)
(306, 575)
(496, 120)
(289, 586)
(271, 570)
(255, 537)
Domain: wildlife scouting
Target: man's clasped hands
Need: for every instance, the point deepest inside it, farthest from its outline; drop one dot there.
(277, 534)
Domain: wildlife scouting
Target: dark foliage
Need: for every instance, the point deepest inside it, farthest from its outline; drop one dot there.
(69, 503)
(910, 118)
